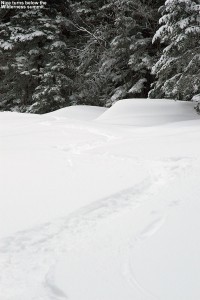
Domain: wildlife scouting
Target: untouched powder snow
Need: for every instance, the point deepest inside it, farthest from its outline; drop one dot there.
(80, 112)
(101, 204)
(148, 112)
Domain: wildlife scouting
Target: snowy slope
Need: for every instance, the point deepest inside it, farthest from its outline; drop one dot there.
(120, 203)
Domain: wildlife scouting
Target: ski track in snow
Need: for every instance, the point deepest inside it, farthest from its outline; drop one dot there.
(53, 291)
(157, 221)
(31, 252)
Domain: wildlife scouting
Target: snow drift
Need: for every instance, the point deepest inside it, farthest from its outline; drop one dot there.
(80, 112)
(148, 112)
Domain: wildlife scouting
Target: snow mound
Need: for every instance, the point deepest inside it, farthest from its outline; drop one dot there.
(8, 116)
(148, 112)
(79, 112)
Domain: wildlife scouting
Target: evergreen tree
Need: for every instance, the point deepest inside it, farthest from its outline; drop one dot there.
(37, 75)
(178, 69)
(79, 52)
(116, 60)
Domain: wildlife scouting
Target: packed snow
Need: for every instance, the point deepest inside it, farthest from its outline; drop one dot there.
(101, 204)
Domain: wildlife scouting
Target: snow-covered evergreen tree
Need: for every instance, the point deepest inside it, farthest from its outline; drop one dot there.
(36, 68)
(129, 58)
(117, 57)
(76, 52)
(178, 69)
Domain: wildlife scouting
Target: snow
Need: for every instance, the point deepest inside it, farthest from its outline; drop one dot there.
(28, 36)
(196, 98)
(79, 112)
(101, 204)
(148, 112)
(58, 44)
(137, 88)
(6, 45)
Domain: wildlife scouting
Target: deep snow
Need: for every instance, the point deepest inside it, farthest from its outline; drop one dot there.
(101, 204)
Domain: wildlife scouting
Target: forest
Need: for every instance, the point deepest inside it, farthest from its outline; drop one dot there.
(96, 52)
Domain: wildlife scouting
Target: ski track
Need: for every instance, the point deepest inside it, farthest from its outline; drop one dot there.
(157, 220)
(49, 285)
(26, 256)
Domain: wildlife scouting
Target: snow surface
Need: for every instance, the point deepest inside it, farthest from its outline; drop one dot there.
(146, 113)
(101, 205)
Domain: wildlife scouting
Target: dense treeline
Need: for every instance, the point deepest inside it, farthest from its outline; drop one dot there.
(98, 51)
